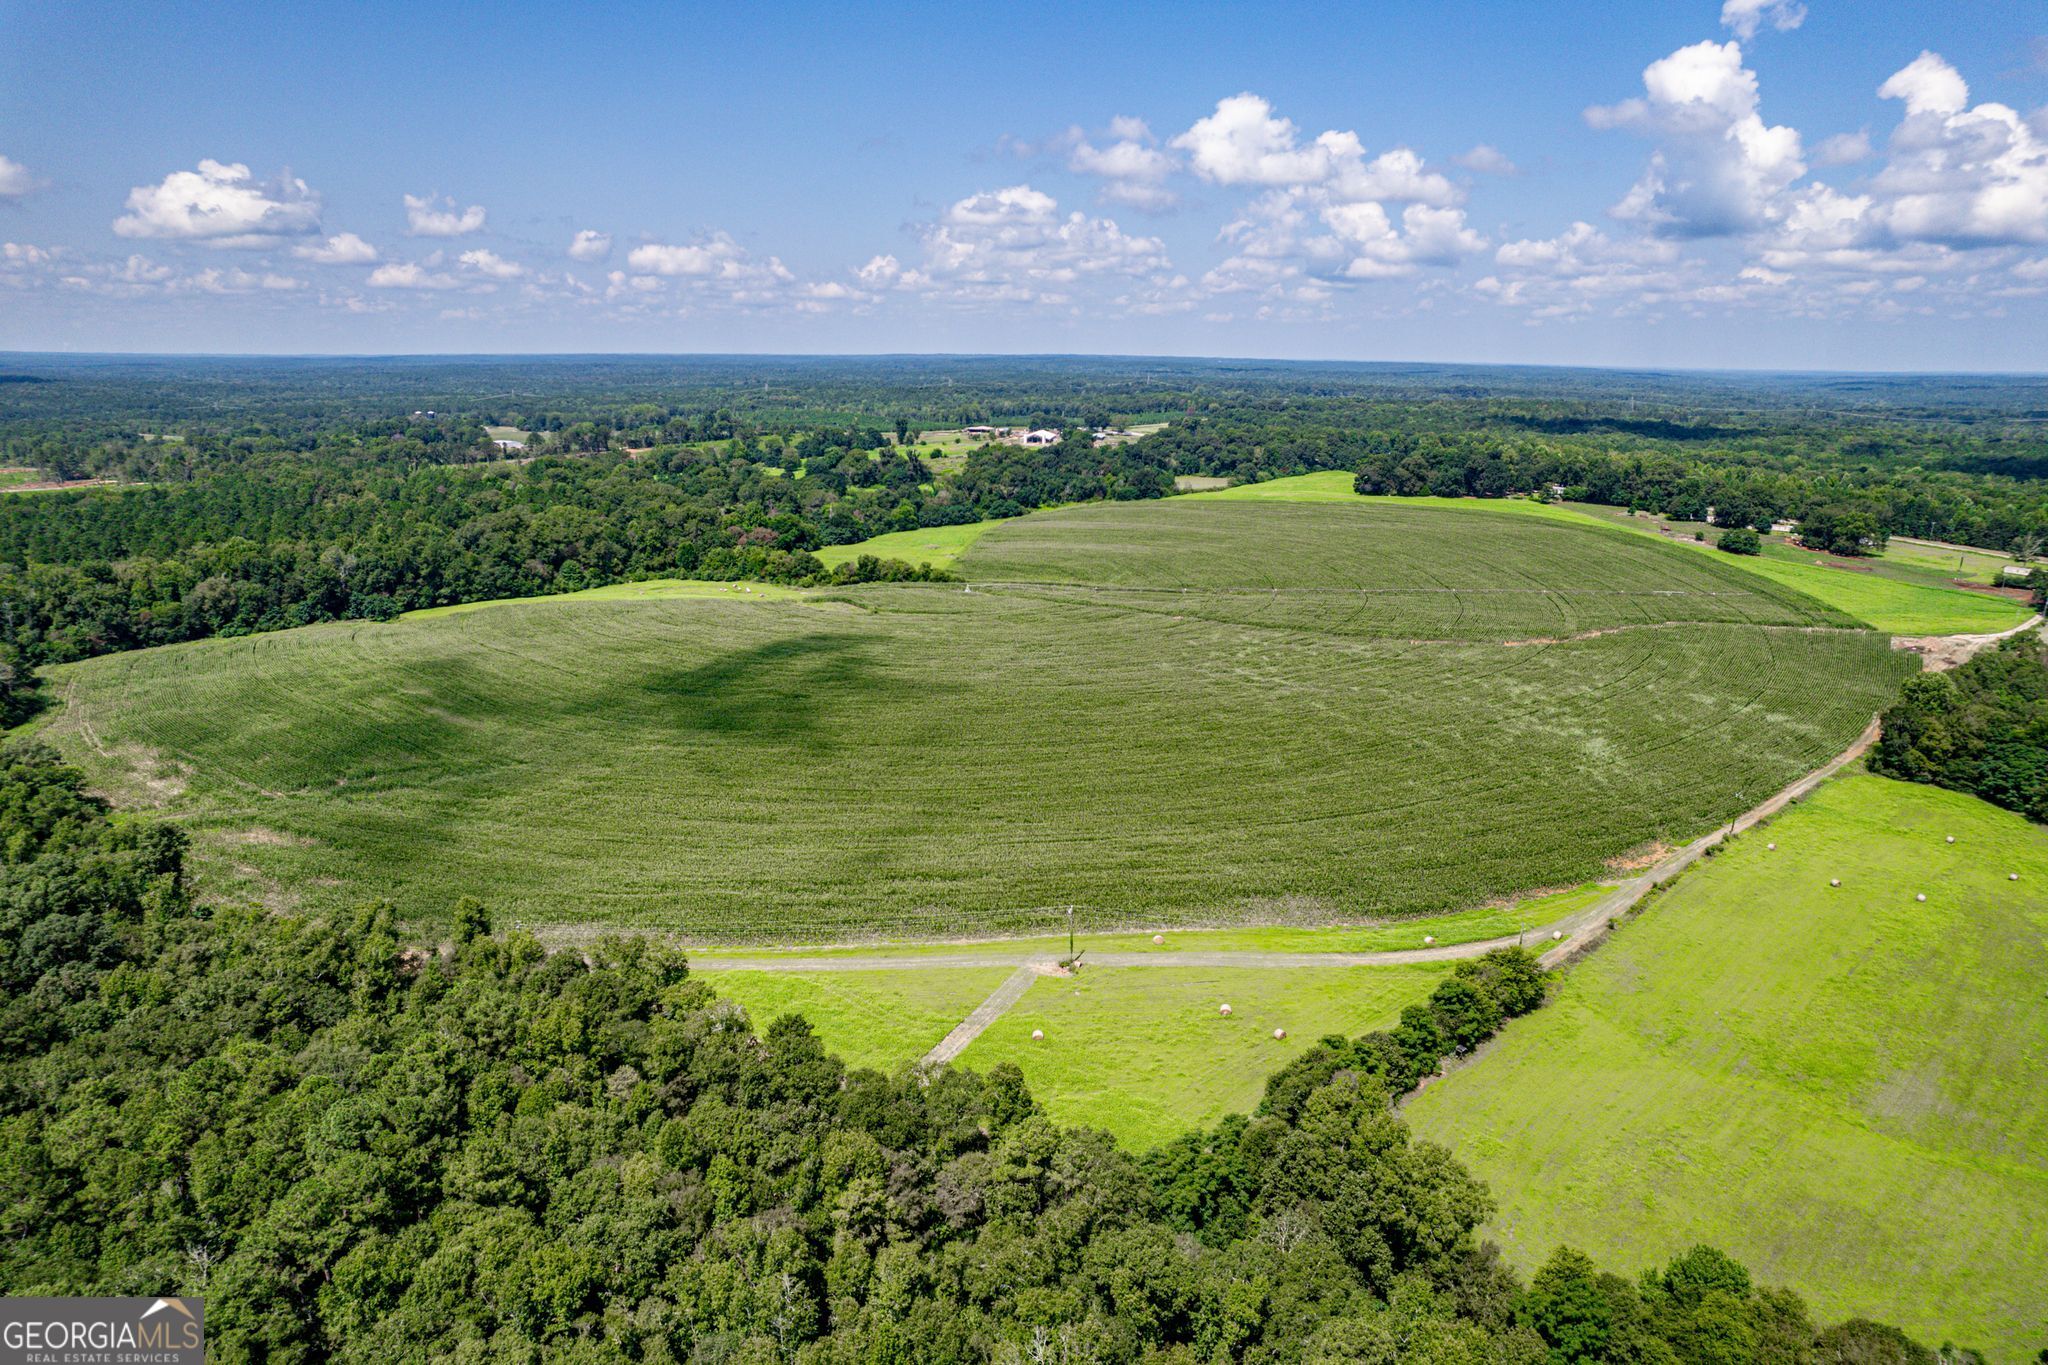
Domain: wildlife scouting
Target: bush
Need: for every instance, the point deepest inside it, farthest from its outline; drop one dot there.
(1740, 540)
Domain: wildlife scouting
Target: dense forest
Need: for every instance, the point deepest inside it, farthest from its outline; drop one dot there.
(358, 1148)
(260, 494)
(1981, 728)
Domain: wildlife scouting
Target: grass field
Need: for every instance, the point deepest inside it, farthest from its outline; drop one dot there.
(1891, 605)
(646, 590)
(1144, 1053)
(938, 546)
(1392, 736)
(1908, 590)
(1840, 1087)
(880, 1019)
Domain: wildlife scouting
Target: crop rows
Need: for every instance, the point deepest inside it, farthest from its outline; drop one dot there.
(913, 761)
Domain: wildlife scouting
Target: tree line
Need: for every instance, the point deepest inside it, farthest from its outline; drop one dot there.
(357, 1147)
(1981, 728)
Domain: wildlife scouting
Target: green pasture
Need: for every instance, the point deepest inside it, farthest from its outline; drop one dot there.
(1903, 591)
(1311, 715)
(646, 590)
(1145, 1053)
(881, 1019)
(1900, 608)
(938, 546)
(1841, 1087)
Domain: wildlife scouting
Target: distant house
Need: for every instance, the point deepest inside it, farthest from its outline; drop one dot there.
(503, 444)
(978, 431)
(1780, 528)
(1039, 437)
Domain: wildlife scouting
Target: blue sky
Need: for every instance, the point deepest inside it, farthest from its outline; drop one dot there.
(1835, 184)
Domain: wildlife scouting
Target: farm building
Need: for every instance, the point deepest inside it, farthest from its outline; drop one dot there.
(1039, 437)
(504, 444)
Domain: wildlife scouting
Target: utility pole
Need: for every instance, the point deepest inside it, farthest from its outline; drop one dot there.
(1070, 933)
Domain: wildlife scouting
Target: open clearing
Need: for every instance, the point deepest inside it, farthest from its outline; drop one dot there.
(1841, 1087)
(938, 546)
(1144, 1053)
(880, 1019)
(1179, 713)
(1904, 591)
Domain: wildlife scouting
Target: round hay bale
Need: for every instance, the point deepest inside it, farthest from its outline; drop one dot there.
(1772, 847)
(1279, 1033)
(1223, 1010)
(1834, 881)
(1158, 939)
(1428, 940)
(1921, 897)
(1556, 934)
(1038, 1035)
(2012, 876)
(1951, 838)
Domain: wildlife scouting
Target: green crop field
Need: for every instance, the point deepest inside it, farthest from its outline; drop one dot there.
(1901, 593)
(1841, 1087)
(1185, 712)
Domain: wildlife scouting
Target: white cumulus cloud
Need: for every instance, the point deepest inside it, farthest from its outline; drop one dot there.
(221, 204)
(1133, 168)
(427, 216)
(1718, 169)
(411, 275)
(343, 248)
(15, 181)
(491, 265)
(590, 245)
(1488, 159)
(1745, 16)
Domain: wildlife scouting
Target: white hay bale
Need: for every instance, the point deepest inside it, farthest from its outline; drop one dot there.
(1158, 938)
(1223, 1010)
(1428, 940)
(1279, 1033)
(1038, 1035)
(1921, 897)
(1556, 934)
(1951, 838)
(2012, 876)
(1834, 881)
(1772, 847)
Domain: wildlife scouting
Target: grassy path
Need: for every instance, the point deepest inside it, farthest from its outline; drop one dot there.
(986, 1013)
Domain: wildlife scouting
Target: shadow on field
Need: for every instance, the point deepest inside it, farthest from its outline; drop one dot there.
(777, 690)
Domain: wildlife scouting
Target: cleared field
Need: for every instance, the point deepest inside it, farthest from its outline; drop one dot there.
(1841, 1087)
(1144, 1053)
(646, 590)
(922, 761)
(938, 546)
(880, 1019)
(1904, 591)
(1891, 605)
